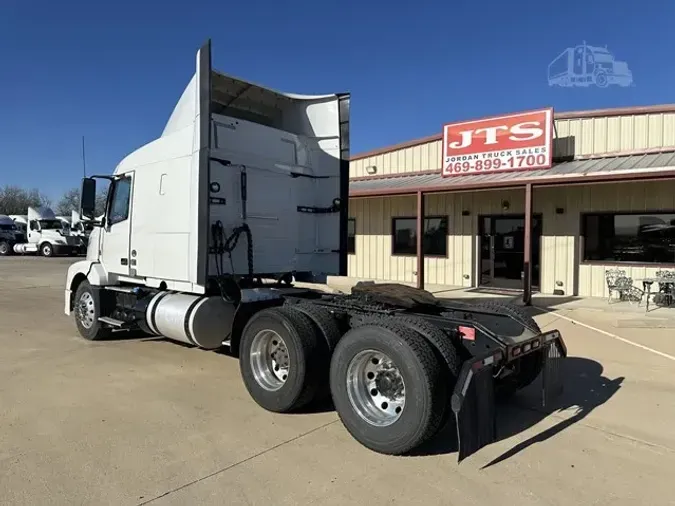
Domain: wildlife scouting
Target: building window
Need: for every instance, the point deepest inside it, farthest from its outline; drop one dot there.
(435, 241)
(643, 238)
(351, 236)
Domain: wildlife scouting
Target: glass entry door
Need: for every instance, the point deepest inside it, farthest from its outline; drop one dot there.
(502, 251)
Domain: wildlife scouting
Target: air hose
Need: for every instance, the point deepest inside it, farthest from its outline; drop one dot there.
(221, 245)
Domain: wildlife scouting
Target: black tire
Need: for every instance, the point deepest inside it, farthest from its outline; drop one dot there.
(445, 352)
(328, 328)
(443, 348)
(304, 354)
(516, 311)
(324, 321)
(5, 249)
(46, 249)
(87, 299)
(529, 367)
(426, 393)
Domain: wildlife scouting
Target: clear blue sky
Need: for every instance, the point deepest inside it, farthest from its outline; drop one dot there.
(112, 71)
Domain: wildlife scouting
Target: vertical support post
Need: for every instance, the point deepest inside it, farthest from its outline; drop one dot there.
(420, 240)
(527, 261)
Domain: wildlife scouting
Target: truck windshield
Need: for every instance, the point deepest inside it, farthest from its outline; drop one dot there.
(6, 228)
(51, 225)
(602, 57)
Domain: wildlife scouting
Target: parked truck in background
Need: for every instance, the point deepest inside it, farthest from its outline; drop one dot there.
(81, 228)
(47, 235)
(209, 231)
(21, 221)
(9, 235)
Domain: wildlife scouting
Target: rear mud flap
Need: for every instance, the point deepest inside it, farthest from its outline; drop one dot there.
(473, 400)
(473, 403)
(552, 372)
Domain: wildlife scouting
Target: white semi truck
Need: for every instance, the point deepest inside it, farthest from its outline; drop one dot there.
(81, 228)
(209, 231)
(47, 235)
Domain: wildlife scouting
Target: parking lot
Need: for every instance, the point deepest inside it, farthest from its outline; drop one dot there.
(148, 421)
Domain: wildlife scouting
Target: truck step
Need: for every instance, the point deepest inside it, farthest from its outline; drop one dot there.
(121, 289)
(111, 321)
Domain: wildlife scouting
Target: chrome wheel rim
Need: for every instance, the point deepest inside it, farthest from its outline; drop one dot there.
(86, 310)
(269, 360)
(375, 388)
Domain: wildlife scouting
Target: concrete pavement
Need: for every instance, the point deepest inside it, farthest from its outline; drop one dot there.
(136, 422)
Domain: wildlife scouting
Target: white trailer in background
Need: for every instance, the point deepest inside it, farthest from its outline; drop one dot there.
(46, 235)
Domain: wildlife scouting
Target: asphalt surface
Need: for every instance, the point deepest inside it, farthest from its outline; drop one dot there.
(135, 422)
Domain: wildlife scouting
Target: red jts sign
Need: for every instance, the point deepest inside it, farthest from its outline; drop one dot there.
(519, 141)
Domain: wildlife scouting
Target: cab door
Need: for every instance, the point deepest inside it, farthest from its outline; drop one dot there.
(116, 235)
(34, 234)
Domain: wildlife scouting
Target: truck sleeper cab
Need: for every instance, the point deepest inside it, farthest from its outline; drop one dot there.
(218, 233)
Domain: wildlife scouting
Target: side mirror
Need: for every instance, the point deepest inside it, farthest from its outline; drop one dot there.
(88, 197)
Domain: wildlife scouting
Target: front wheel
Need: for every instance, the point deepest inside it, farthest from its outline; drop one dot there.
(46, 249)
(387, 387)
(5, 248)
(87, 310)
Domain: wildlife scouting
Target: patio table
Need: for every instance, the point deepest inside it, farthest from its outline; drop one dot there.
(667, 281)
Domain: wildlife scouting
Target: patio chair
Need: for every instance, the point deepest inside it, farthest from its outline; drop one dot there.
(666, 287)
(617, 281)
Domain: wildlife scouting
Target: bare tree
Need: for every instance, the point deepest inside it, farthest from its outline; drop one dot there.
(17, 200)
(101, 199)
(70, 201)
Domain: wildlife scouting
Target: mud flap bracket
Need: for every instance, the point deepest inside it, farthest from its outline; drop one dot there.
(552, 370)
(473, 403)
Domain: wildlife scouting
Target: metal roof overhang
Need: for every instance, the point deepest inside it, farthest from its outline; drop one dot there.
(597, 170)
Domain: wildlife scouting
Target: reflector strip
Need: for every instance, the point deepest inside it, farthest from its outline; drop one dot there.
(468, 333)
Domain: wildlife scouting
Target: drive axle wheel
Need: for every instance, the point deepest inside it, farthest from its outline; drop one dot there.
(375, 388)
(387, 387)
(87, 310)
(269, 360)
(280, 359)
(46, 249)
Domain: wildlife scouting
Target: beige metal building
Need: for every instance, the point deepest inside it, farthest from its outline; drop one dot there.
(607, 201)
